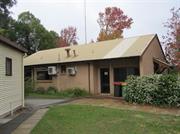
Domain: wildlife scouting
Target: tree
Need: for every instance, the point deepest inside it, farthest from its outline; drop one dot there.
(26, 31)
(5, 5)
(68, 36)
(4, 14)
(112, 22)
(31, 34)
(172, 38)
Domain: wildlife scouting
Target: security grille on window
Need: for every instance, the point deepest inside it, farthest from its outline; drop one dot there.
(8, 66)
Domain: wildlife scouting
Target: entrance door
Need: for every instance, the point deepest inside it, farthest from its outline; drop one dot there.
(104, 75)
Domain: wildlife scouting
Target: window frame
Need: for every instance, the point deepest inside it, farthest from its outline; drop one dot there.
(126, 72)
(8, 61)
(45, 71)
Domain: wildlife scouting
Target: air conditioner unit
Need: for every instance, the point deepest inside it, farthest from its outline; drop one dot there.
(52, 70)
(71, 71)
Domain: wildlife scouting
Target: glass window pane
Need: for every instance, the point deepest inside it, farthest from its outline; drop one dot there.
(8, 67)
(43, 75)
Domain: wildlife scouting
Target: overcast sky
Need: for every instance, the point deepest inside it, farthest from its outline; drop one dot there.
(148, 16)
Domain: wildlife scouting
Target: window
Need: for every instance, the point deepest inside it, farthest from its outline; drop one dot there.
(8, 66)
(132, 71)
(120, 74)
(63, 69)
(43, 75)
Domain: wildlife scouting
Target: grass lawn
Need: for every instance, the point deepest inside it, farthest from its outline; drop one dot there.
(85, 119)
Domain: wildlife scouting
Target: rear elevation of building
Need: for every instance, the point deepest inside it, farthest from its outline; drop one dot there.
(11, 76)
(94, 67)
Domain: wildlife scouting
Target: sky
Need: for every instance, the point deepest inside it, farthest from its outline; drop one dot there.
(148, 15)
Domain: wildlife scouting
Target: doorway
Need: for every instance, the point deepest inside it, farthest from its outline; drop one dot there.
(104, 82)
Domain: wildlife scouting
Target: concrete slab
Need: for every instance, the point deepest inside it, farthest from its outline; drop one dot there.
(37, 103)
(30, 123)
(5, 120)
(32, 105)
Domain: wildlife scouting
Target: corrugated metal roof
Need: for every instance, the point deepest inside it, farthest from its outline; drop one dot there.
(126, 47)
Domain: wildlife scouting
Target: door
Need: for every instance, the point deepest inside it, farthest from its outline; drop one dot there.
(104, 75)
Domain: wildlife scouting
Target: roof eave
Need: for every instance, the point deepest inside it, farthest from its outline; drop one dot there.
(12, 44)
(91, 60)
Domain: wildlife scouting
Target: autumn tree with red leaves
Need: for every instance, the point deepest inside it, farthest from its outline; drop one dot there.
(172, 38)
(112, 22)
(68, 36)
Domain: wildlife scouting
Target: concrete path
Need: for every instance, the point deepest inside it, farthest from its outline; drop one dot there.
(32, 105)
(10, 126)
(30, 123)
(39, 103)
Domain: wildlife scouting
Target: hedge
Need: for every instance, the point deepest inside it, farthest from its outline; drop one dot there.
(160, 90)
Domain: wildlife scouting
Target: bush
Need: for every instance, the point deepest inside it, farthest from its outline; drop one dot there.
(74, 92)
(40, 90)
(154, 89)
(170, 87)
(28, 86)
(52, 90)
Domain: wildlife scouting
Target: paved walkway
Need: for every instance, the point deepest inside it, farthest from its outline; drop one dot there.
(32, 105)
(30, 123)
(39, 103)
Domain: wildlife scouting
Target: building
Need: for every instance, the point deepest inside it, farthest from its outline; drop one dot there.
(11, 76)
(96, 66)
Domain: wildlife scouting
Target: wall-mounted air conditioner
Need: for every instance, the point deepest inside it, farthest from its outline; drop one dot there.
(52, 70)
(71, 71)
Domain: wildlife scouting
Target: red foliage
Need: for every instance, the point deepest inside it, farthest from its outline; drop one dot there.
(172, 39)
(112, 23)
(68, 36)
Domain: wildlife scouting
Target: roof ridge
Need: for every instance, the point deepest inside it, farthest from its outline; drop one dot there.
(95, 43)
(80, 45)
(140, 35)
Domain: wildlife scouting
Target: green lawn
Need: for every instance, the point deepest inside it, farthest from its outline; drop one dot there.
(84, 119)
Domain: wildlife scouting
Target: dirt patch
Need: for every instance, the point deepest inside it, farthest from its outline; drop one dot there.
(121, 104)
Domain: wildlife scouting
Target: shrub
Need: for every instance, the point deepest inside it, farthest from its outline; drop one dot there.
(74, 92)
(170, 90)
(71, 92)
(79, 92)
(154, 89)
(51, 90)
(40, 90)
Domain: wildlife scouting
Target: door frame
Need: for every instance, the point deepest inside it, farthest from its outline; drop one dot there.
(100, 84)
